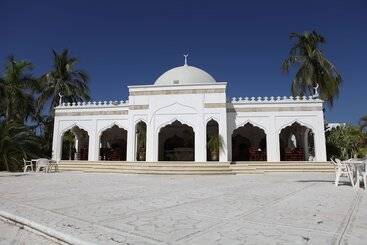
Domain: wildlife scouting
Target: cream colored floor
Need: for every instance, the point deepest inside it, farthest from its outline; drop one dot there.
(274, 208)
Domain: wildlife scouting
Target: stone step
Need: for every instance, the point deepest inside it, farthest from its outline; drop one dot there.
(193, 168)
(171, 172)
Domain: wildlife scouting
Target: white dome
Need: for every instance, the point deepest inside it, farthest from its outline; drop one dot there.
(184, 75)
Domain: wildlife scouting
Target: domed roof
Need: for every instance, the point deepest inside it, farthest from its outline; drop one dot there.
(184, 75)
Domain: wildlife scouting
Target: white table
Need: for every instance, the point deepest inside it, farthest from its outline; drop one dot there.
(51, 163)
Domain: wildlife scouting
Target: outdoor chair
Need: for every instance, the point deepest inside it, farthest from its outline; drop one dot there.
(53, 164)
(42, 163)
(27, 164)
(363, 173)
(364, 176)
(342, 170)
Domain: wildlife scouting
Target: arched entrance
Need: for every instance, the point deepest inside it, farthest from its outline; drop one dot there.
(176, 142)
(296, 143)
(75, 143)
(112, 144)
(213, 141)
(141, 141)
(249, 143)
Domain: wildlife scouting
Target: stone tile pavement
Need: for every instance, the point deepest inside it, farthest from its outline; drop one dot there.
(273, 208)
(12, 234)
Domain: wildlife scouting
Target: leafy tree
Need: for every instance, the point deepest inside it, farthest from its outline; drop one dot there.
(63, 79)
(348, 140)
(312, 67)
(363, 122)
(17, 88)
(45, 128)
(16, 142)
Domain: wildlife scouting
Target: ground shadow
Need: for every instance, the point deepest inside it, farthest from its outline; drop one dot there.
(324, 181)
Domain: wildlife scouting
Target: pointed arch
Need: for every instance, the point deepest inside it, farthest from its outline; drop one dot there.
(180, 120)
(176, 142)
(74, 143)
(113, 143)
(295, 121)
(249, 143)
(110, 125)
(72, 126)
(296, 142)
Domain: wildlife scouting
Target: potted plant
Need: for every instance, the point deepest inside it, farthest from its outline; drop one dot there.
(215, 144)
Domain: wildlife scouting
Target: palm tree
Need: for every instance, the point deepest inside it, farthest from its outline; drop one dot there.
(16, 142)
(313, 67)
(63, 79)
(16, 90)
(363, 122)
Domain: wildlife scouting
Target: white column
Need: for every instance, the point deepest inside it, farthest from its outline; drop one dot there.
(130, 142)
(200, 142)
(272, 142)
(320, 145)
(93, 144)
(56, 141)
(223, 134)
(152, 149)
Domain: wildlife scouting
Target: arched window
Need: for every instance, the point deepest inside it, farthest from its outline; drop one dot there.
(296, 143)
(75, 143)
(249, 143)
(176, 142)
(112, 144)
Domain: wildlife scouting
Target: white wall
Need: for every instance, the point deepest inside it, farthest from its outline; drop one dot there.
(193, 105)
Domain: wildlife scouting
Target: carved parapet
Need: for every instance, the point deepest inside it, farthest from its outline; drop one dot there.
(93, 104)
(274, 100)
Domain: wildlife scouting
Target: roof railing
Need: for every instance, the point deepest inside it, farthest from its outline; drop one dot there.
(278, 99)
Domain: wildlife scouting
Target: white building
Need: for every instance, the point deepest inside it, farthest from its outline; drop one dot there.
(174, 118)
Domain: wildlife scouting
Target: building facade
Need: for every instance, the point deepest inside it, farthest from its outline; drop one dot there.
(186, 116)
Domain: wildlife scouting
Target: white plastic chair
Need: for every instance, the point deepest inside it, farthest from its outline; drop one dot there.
(363, 173)
(27, 164)
(53, 164)
(342, 170)
(42, 163)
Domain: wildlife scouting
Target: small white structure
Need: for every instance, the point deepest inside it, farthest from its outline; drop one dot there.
(176, 117)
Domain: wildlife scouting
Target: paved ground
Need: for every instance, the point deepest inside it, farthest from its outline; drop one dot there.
(12, 234)
(278, 208)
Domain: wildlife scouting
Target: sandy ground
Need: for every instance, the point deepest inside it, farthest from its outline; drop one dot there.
(274, 208)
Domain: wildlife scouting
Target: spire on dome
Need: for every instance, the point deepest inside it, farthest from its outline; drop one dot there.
(186, 55)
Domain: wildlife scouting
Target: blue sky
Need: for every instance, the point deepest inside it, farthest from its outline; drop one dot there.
(242, 42)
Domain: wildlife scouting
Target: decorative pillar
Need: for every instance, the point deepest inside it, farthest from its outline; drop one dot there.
(56, 141)
(151, 153)
(130, 142)
(93, 146)
(223, 134)
(200, 143)
(272, 142)
(320, 144)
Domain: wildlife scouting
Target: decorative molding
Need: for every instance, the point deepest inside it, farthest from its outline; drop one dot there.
(215, 105)
(275, 109)
(139, 107)
(278, 99)
(179, 91)
(90, 113)
(94, 104)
